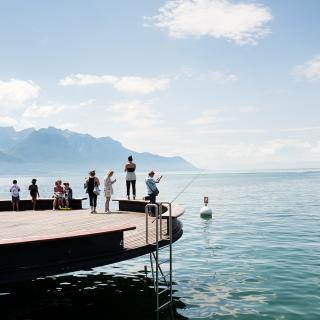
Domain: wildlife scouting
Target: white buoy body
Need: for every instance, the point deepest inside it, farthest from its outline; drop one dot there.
(206, 212)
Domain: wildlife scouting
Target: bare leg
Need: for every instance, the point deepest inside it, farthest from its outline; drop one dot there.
(54, 203)
(34, 202)
(107, 204)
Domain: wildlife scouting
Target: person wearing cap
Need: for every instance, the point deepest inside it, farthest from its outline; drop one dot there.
(152, 188)
(130, 169)
(91, 185)
(108, 189)
(34, 193)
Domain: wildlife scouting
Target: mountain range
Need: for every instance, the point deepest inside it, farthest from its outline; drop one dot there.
(56, 150)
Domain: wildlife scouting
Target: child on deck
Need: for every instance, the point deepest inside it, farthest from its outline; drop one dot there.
(15, 189)
(67, 193)
(34, 193)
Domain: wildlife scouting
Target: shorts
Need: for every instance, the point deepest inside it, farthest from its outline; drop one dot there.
(15, 199)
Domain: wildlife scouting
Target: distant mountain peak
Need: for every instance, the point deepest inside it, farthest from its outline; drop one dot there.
(51, 147)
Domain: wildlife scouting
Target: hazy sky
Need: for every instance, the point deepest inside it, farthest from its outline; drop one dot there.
(225, 84)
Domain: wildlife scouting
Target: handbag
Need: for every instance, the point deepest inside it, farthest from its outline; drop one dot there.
(96, 190)
(156, 191)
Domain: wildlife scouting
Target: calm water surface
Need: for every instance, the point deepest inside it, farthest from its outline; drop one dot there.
(257, 258)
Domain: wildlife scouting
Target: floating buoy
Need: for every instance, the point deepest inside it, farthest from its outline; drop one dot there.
(205, 211)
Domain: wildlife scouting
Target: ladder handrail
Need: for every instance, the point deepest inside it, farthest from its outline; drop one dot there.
(158, 216)
(170, 242)
(155, 206)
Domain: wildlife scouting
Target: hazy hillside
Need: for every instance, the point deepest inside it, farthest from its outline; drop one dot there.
(59, 150)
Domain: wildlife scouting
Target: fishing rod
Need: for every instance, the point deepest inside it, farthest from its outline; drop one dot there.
(187, 186)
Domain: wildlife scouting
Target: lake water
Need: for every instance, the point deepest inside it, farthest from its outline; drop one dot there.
(257, 258)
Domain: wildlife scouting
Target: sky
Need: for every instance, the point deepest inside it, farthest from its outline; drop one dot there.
(225, 84)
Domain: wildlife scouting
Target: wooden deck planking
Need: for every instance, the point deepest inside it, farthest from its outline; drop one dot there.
(17, 225)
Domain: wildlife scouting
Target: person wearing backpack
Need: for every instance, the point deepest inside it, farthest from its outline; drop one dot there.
(15, 189)
(34, 193)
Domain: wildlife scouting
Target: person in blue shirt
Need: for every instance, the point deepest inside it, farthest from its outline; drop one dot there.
(152, 188)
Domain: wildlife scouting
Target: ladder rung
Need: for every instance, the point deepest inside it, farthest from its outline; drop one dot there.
(164, 247)
(164, 290)
(163, 261)
(164, 305)
(165, 275)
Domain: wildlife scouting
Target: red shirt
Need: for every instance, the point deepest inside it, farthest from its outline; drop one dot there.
(58, 189)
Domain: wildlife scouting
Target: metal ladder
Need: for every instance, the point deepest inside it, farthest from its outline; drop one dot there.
(158, 275)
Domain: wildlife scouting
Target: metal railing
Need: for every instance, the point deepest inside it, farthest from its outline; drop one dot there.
(157, 210)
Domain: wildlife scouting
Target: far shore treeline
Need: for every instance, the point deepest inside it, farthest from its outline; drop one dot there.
(54, 150)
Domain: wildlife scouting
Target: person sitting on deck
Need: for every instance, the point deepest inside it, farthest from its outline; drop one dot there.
(67, 193)
(108, 189)
(34, 193)
(58, 194)
(15, 189)
(152, 188)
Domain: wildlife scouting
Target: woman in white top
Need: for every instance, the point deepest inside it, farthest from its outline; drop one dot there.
(108, 189)
(130, 168)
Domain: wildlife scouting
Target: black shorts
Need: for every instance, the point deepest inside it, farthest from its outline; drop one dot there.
(15, 199)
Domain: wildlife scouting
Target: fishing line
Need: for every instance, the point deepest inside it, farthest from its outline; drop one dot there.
(187, 186)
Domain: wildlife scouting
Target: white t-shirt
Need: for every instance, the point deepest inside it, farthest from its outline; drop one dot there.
(15, 189)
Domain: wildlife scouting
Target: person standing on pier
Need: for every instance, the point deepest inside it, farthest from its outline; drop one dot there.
(152, 188)
(91, 185)
(130, 168)
(15, 189)
(108, 189)
(34, 193)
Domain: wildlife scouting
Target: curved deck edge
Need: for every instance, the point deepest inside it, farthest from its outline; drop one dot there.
(69, 253)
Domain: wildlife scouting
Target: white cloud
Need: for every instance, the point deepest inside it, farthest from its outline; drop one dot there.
(221, 76)
(128, 84)
(86, 80)
(210, 75)
(14, 93)
(265, 154)
(141, 85)
(310, 70)
(243, 23)
(302, 129)
(7, 121)
(134, 113)
(248, 109)
(210, 117)
(47, 111)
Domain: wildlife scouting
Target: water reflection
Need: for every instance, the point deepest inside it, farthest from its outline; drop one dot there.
(84, 296)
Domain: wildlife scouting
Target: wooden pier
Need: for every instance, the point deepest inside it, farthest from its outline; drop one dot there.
(39, 243)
